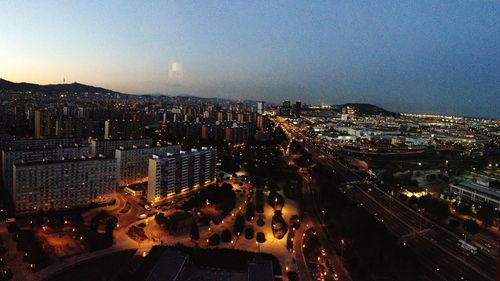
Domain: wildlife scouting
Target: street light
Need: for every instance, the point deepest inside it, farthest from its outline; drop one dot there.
(342, 248)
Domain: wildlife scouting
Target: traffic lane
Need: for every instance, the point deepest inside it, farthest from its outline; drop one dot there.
(479, 260)
(393, 224)
(439, 263)
(408, 215)
(324, 239)
(303, 269)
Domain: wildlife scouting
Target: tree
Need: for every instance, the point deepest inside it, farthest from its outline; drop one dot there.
(276, 201)
(438, 208)
(454, 223)
(261, 237)
(412, 200)
(239, 225)
(226, 236)
(464, 208)
(195, 232)
(431, 177)
(486, 213)
(214, 240)
(423, 201)
(94, 224)
(471, 226)
(250, 211)
(403, 197)
(110, 226)
(279, 226)
(160, 219)
(249, 233)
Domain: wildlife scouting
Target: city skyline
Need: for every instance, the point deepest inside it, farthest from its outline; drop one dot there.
(432, 57)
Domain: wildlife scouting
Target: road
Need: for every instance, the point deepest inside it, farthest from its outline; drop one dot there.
(436, 247)
(312, 217)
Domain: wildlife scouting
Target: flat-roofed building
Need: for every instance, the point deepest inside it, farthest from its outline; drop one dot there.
(17, 156)
(123, 129)
(132, 163)
(26, 143)
(179, 173)
(476, 193)
(62, 184)
(108, 147)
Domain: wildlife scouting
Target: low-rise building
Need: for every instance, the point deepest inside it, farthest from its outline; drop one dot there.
(476, 193)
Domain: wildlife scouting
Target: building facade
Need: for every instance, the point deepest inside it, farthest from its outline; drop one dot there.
(476, 193)
(132, 163)
(62, 184)
(15, 156)
(107, 147)
(179, 173)
(123, 129)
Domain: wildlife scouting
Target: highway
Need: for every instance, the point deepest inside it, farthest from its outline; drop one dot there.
(436, 247)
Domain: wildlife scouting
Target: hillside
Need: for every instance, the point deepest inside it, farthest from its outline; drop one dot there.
(370, 109)
(8, 86)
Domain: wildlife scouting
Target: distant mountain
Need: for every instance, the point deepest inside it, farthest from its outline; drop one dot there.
(370, 109)
(8, 86)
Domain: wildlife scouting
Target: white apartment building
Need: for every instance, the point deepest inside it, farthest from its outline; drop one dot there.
(108, 147)
(179, 173)
(17, 156)
(132, 163)
(62, 184)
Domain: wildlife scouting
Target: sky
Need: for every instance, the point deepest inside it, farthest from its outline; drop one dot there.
(408, 56)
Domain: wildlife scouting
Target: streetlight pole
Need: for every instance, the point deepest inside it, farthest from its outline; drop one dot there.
(342, 248)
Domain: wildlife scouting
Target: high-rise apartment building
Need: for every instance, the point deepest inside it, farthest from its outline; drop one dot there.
(260, 107)
(62, 184)
(18, 156)
(42, 123)
(123, 129)
(179, 173)
(286, 108)
(132, 163)
(108, 147)
(298, 109)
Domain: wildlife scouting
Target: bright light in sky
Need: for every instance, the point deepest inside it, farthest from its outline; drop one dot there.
(419, 56)
(175, 72)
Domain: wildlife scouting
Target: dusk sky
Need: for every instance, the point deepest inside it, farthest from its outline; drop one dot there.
(410, 56)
